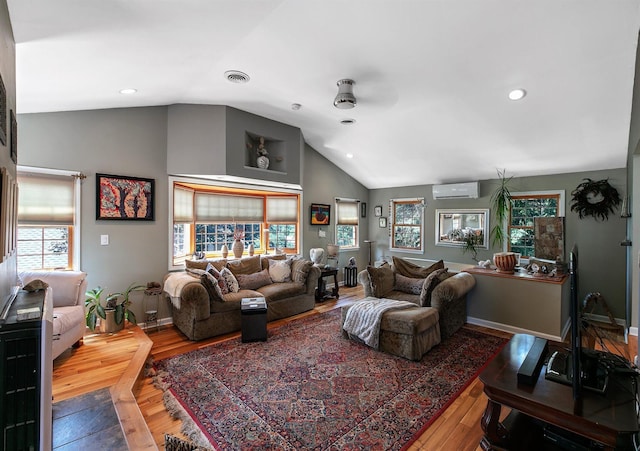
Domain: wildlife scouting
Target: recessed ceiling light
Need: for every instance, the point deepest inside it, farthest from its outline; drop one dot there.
(349, 155)
(128, 91)
(235, 76)
(295, 106)
(348, 121)
(517, 94)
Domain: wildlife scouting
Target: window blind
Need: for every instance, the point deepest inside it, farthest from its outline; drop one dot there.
(347, 213)
(45, 199)
(228, 208)
(282, 209)
(182, 204)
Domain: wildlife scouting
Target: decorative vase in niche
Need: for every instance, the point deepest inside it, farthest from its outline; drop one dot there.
(224, 250)
(238, 248)
(251, 250)
(505, 261)
(263, 162)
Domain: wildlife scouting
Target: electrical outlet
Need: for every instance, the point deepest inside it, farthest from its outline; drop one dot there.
(104, 240)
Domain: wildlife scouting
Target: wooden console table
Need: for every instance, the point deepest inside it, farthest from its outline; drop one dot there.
(547, 408)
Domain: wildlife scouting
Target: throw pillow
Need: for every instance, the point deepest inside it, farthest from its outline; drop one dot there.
(408, 284)
(253, 281)
(382, 281)
(300, 269)
(409, 269)
(220, 282)
(211, 285)
(248, 265)
(230, 280)
(280, 270)
(430, 283)
(267, 259)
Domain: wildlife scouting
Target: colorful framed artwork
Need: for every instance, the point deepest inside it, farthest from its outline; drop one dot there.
(320, 214)
(377, 210)
(382, 221)
(124, 198)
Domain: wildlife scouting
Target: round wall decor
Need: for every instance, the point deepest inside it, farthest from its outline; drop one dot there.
(595, 198)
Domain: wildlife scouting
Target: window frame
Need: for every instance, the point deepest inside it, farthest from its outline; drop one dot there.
(74, 229)
(229, 188)
(421, 205)
(356, 227)
(547, 194)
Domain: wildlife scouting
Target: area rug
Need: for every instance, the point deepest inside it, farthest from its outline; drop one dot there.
(307, 387)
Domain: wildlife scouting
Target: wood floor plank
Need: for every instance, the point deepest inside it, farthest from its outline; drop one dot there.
(103, 359)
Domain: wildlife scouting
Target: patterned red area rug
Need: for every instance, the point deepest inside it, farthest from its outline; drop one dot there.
(307, 387)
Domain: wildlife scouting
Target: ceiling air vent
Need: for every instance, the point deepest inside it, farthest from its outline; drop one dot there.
(235, 76)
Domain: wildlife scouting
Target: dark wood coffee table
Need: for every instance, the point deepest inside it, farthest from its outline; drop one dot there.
(546, 410)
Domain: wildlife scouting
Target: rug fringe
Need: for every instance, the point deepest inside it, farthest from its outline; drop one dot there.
(189, 427)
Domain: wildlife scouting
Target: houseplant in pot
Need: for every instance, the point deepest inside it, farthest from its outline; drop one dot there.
(113, 312)
(501, 204)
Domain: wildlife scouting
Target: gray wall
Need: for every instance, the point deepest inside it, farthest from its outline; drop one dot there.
(121, 142)
(8, 278)
(602, 259)
(322, 183)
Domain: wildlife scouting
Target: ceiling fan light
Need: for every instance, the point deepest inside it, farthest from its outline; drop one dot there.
(345, 98)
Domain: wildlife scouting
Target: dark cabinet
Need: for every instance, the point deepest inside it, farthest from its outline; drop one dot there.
(23, 363)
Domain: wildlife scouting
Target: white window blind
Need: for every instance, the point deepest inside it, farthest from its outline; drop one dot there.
(223, 208)
(347, 212)
(45, 199)
(282, 209)
(182, 204)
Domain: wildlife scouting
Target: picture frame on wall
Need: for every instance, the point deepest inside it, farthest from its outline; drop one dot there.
(382, 221)
(377, 210)
(363, 209)
(3, 113)
(13, 139)
(320, 214)
(124, 198)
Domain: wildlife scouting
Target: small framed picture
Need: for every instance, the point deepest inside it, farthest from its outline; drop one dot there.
(363, 209)
(377, 210)
(382, 221)
(320, 214)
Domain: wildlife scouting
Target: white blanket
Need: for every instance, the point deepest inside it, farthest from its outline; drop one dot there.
(363, 318)
(174, 283)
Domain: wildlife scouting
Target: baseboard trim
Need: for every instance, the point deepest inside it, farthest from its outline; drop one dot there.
(512, 329)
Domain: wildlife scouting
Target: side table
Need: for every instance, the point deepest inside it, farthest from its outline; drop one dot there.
(151, 304)
(321, 292)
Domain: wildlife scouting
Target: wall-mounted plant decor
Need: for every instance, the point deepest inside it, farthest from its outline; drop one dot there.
(595, 198)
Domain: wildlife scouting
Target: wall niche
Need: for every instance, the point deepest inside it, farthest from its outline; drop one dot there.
(264, 153)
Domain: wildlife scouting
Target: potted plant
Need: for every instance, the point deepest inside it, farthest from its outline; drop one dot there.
(113, 312)
(501, 203)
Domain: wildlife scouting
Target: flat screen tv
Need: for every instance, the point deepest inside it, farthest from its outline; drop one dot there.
(579, 367)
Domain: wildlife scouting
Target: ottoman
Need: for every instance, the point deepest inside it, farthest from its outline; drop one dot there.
(408, 333)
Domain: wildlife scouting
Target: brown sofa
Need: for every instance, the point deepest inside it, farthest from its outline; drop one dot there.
(440, 298)
(200, 311)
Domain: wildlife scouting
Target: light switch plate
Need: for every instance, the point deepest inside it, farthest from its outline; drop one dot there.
(104, 240)
(322, 233)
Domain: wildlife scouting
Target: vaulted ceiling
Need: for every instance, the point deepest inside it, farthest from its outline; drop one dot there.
(432, 76)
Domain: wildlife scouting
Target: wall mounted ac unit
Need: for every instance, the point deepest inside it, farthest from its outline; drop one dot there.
(467, 190)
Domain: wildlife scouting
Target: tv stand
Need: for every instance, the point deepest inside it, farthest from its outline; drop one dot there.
(545, 413)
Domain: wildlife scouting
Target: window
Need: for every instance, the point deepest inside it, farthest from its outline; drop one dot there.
(205, 218)
(347, 224)
(524, 208)
(407, 224)
(47, 219)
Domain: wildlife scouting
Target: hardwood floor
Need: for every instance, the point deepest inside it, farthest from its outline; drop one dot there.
(110, 360)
